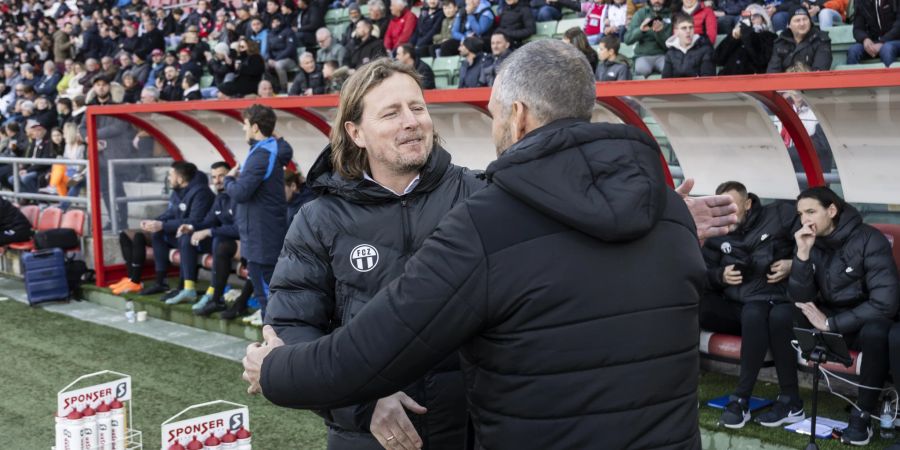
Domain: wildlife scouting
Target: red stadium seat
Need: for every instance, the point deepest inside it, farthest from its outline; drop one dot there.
(892, 233)
(48, 220)
(31, 212)
(73, 219)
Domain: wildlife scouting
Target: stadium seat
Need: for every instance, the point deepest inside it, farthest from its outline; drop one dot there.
(445, 69)
(335, 16)
(49, 219)
(428, 61)
(570, 14)
(841, 40)
(31, 213)
(877, 65)
(545, 30)
(627, 51)
(338, 29)
(206, 81)
(563, 25)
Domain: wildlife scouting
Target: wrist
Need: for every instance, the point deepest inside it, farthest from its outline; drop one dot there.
(802, 255)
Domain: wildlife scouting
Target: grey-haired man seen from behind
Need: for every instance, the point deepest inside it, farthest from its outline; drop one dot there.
(569, 286)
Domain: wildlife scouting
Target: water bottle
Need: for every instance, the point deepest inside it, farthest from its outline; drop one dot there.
(887, 420)
(129, 311)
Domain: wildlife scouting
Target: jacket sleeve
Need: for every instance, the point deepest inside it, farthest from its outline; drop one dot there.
(209, 220)
(707, 66)
(774, 62)
(302, 302)
(226, 230)
(199, 207)
(409, 27)
(411, 325)
(289, 51)
(802, 285)
(893, 33)
(714, 268)
(481, 23)
(667, 67)
(881, 281)
(316, 12)
(663, 35)
(457, 30)
(859, 28)
(633, 31)
(254, 171)
(711, 26)
(528, 29)
(822, 58)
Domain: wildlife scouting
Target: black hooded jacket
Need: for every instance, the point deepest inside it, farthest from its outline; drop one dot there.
(340, 250)
(814, 51)
(748, 55)
(188, 205)
(850, 274)
(571, 285)
(766, 235)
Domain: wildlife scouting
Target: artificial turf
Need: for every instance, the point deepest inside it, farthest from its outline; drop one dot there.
(43, 352)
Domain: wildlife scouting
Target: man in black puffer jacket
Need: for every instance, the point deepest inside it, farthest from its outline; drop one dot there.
(747, 273)
(355, 238)
(801, 44)
(845, 281)
(542, 279)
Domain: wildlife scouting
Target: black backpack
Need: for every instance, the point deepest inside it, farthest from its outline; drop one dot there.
(77, 273)
(61, 238)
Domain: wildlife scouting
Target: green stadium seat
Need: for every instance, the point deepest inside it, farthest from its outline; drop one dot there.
(335, 16)
(719, 39)
(428, 61)
(446, 69)
(877, 65)
(338, 28)
(364, 10)
(841, 40)
(206, 81)
(563, 25)
(626, 51)
(545, 30)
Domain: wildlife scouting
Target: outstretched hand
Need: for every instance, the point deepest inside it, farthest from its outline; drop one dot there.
(714, 214)
(256, 353)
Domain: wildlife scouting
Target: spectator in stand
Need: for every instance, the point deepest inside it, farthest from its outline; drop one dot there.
(258, 189)
(876, 29)
(367, 48)
(833, 13)
(611, 66)
(189, 202)
(91, 43)
(15, 143)
(705, 22)
(282, 50)
(197, 47)
(63, 111)
(689, 55)
(747, 273)
(32, 176)
(401, 26)
(92, 70)
(149, 95)
(427, 26)
(406, 56)
(249, 69)
(856, 296)
(46, 84)
(151, 39)
(44, 113)
(265, 89)
(309, 80)
(221, 63)
(379, 18)
(132, 89)
(329, 50)
(311, 17)
(445, 44)
(156, 66)
(802, 43)
(335, 76)
(729, 12)
(27, 72)
(217, 233)
(593, 19)
(516, 22)
(648, 31)
(500, 50)
(477, 20)
(473, 58)
(170, 85)
(14, 226)
(140, 69)
(108, 68)
(748, 48)
(63, 44)
(124, 60)
(577, 38)
(260, 35)
(190, 87)
(615, 18)
(74, 176)
(354, 14)
(129, 41)
(551, 10)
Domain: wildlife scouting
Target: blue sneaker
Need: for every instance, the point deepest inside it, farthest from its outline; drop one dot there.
(186, 295)
(200, 304)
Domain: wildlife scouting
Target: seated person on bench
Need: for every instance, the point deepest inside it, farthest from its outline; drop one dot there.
(845, 281)
(14, 226)
(747, 296)
(190, 201)
(218, 233)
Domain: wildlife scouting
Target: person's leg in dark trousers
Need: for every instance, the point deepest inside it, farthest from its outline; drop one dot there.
(260, 276)
(224, 250)
(788, 407)
(873, 341)
(161, 242)
(134, 252)
(188, 268)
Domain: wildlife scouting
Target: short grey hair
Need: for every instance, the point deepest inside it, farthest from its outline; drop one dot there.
(376, 4)
(152, 91)
(307, 55)
(323, 32)
(552, 78)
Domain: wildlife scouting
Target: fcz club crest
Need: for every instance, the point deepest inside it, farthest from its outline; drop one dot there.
(364, 257)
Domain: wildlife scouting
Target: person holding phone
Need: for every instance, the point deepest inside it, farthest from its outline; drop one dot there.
(747, 272)
(844, 280)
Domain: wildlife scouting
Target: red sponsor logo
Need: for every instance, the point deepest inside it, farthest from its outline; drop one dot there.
(197, 428)
(87, 397)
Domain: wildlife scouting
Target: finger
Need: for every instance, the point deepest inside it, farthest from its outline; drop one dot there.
(408, 435)
(253, 346)
(411, 404)
(246, 377)
(401, 440)
(269, 334)
(711, 232)
(684, 189)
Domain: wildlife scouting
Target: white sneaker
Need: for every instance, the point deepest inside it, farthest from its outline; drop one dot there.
(257, 320)
(257, 316)
(231, 295)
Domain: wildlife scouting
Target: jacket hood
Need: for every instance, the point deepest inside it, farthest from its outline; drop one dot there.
(285, 152)
(200, 181)
(322, 179)
(602, 179)
(673, 42)
(761, 11)
(848, 222)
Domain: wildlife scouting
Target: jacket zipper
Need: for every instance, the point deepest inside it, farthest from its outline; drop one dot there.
(404, 225)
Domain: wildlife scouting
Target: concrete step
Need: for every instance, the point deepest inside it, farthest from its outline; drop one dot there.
(180, 314)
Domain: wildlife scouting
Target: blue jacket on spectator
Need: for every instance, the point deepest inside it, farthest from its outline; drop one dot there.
(262, 38)
(153, 73)
(188, 205)
(220, 218)
(281, 44)
(480, 23)
(261, 205)
(46, 85)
